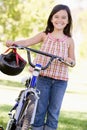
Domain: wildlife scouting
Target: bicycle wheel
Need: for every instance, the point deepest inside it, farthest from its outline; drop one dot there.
(11, 125)
(26, 113)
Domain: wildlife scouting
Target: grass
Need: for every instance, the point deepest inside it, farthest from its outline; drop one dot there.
(73, 121)
(18, 84)
(11, 83)
(4, 109)
(67, 121)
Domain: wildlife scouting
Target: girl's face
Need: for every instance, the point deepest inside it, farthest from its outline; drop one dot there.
(60, 20)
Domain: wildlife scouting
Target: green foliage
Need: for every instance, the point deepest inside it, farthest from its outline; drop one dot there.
(22, 18)
(8, 19)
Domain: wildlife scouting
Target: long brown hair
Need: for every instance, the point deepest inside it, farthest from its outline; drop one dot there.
(67, 29)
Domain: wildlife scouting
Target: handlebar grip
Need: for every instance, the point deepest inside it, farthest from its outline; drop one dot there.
(65, 62)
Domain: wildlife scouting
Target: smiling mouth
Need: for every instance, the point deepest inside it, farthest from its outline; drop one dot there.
(59, 25)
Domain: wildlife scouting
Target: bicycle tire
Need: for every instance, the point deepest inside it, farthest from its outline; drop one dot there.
(25, 119)
(11, 125)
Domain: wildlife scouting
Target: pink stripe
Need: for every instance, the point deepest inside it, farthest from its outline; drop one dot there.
(55, 39)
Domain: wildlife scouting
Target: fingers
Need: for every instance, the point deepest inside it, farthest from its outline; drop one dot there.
(67, 59)
(9, 43)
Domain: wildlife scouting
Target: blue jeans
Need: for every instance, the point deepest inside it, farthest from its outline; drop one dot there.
(52, 92)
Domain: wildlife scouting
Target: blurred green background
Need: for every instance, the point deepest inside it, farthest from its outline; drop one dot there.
(20, 19)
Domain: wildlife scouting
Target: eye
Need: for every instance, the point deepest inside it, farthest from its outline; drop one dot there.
(64, 17)
(56, 16)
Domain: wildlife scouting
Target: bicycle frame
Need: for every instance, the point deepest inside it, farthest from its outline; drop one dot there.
(30, 89)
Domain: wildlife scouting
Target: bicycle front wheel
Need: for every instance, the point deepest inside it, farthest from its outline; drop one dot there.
(26, 114)
(11, 125)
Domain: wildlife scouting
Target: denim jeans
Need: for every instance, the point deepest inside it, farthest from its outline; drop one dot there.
(48, 109)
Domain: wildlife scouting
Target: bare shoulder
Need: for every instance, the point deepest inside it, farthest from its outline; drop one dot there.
(70, 41)
(43, 35)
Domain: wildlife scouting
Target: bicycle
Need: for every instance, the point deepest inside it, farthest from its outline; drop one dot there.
(22, 114)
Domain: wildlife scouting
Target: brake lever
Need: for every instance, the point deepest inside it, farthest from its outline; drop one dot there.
(67, 63)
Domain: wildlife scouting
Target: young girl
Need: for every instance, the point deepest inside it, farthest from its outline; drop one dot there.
(52, 82)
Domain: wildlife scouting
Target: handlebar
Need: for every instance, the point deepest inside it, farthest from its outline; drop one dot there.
(52, 57)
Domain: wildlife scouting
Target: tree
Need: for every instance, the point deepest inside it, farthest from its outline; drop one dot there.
(22, 18)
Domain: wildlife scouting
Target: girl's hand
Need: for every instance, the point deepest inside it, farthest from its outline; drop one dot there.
(69, 60)
(9, 43)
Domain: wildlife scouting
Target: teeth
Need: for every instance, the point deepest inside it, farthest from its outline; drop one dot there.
(59, 24)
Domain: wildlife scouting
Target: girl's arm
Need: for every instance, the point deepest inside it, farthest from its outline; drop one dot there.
(28, 42)
(71, 52)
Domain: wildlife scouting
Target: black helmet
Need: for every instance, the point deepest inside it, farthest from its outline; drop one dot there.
(11, 63)
(1, 128)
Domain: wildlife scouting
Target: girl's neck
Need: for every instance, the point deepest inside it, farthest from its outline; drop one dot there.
(58, 34)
